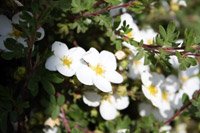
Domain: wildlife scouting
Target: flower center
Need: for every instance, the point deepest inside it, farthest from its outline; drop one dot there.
(150, 41)
(153, 90)
(184, 78)
(99, 70)
(16, 33)
(174, 6)
(130, 34)
(66, 61)
(137, 62)
(165, 96)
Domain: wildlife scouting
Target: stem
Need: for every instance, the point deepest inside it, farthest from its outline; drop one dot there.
(65, 121)
(106, 9)
(181, 109)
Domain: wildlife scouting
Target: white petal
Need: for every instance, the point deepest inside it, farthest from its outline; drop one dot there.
(42, 33)
(5, 25)
(102, 84)
(92, 57)
(64, 70)
(108, 60)
(52, 62)
(121, 102)
(177, 102)
(191, 71)
(107, 110)
(91, 98)
(2, 46)
(22, 41)
(114, 77)
(171, 84)
(146, 78)
(16, 18)
(191, 85)
(85, 75)
(173, 60)
(59, 49)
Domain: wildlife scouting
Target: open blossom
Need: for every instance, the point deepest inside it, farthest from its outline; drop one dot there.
(99, 69)
(108, 106)
(152, 86)
(65, 61)
(147, 36)
(7, 30)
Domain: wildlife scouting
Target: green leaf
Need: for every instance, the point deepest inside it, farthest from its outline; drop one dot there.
(48, 87)
(55, 113)
(33, 86)
(60, 100)
(3, 122)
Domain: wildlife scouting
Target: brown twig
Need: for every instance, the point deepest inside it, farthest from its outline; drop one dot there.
(181, 110)
(106, 9)
(65, 121)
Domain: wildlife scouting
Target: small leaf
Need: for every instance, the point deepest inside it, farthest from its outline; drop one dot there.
(55, 112)
(48, 87)
(60, 100)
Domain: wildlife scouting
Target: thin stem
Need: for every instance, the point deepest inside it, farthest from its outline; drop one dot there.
(65, 121)
(106, 9)
(181, 109)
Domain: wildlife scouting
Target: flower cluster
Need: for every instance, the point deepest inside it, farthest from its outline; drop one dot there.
(165, 93)
(90, 68)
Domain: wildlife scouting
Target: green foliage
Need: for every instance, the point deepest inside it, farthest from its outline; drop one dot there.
(167, 37)
(81, 5)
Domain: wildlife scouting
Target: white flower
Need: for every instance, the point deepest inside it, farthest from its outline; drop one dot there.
(65, 61)
(173, 60)
(52, 123)
(109, 105)
(91, 98)
(50, 130)
(165, 129)
(120, 55)
(7, 30)
(151, 86)
(191, 85)
(148, 36)
(122, 130)
(99, 69)
(137, 68)
(177, 101)
(171, 84)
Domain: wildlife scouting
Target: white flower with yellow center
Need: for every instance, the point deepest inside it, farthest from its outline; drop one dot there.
(99, 69)
(175, 4)
(148, 36)
(152, 86)
(108, 106)
(65, 61)
(7, 30)
(137, 68)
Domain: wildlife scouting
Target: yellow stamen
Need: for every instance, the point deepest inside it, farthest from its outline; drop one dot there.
(98, 70)
(66, 61)
(130, 34)
(174, 6)
(16, 33)
(165, 96)
(137, 62)
(150, 41)
(153, 90)
(184, 78)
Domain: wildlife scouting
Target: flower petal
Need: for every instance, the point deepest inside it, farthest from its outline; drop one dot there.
(84, 74)
(107, 110)
(102, 84)
(114, 77)
(59, 49)
(5, 25)
(121, 102)
(2, 46)
(52, 62)
(42, 33)
(108, 60)
(91, 57)
(91, 98)
(64, 70)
